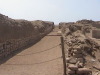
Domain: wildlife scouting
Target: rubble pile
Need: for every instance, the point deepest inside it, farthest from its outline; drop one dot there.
(85, 21)
(64, 24)
(77, 47)
(93, 23)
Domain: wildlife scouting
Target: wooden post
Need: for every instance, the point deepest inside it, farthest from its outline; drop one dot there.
(63, 55)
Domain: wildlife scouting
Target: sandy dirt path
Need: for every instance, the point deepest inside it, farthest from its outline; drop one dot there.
(43, 58)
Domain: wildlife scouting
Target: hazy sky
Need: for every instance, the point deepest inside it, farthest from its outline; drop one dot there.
(51, 10)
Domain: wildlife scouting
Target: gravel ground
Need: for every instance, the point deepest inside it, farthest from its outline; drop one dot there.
(43, 58)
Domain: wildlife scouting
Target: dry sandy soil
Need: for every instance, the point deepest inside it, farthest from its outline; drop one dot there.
(43, 58)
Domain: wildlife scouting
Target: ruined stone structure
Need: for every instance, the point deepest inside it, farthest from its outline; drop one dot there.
(16, 34)
(78, 45)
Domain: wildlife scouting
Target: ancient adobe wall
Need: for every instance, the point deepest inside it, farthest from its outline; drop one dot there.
(17, 34)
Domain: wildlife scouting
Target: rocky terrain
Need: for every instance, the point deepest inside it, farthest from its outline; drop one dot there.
(82, 51)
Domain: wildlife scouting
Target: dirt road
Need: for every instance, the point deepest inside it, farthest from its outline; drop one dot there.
(43, 58)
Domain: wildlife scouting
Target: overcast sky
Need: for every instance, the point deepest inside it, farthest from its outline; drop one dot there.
(51, 10)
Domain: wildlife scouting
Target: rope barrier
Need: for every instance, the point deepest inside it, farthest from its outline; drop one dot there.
(40, 51)
(37, 63)
(53, 35)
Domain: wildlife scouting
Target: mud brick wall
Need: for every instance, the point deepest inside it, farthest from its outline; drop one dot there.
(17, 34)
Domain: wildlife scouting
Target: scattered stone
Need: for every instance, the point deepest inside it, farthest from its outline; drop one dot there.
(72, 67)
(96, 67)
(67, 60)
(80, 65)
(81, 60)
(73, 61)
(84, 71)
(93, 60)
(78, 55)
(70, 72)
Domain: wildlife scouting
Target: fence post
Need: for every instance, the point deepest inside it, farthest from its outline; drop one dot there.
(63, 54)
